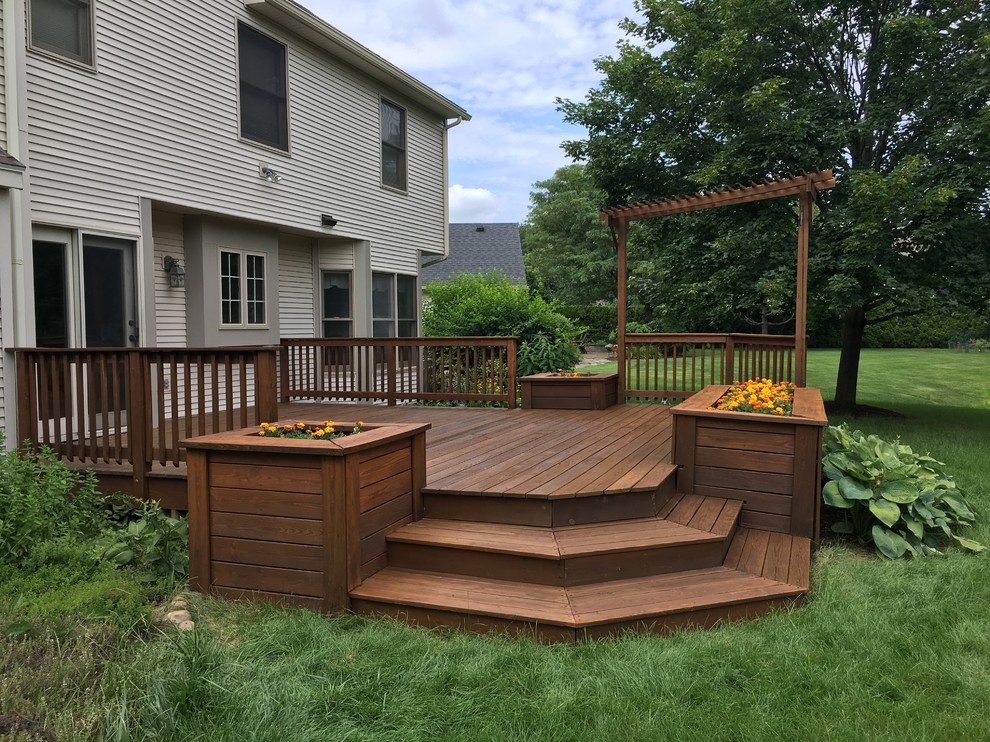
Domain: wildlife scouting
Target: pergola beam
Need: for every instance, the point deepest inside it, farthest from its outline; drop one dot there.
(805, 185)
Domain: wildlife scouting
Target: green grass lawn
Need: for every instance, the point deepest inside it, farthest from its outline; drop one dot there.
(880, 651)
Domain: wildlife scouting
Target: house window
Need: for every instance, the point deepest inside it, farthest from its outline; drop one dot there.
(63, 27)
(336, 304)
(393, 145)
(263, 88)
(242, 289)
(393, 305)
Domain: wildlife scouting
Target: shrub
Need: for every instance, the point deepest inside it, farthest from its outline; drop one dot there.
(487, 304)
(41, 499)
(897, 500)
(154, 542)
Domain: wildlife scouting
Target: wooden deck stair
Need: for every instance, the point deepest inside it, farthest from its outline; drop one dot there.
(688, 563)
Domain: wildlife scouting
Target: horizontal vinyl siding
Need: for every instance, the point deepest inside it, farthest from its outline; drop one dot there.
(3, 111)
(170, 303)
(159, 119)
(296, 303)
(336, 257)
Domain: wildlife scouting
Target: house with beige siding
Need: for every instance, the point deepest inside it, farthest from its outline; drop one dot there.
(223, 173)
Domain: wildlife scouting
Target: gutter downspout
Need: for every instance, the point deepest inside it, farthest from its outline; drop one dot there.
(447, 126)
(13, 62)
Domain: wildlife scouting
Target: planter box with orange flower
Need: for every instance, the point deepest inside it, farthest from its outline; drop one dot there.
(770, 461)
(301, 521)
(573, 391)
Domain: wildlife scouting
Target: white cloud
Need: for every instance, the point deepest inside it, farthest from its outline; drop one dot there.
(472, 204)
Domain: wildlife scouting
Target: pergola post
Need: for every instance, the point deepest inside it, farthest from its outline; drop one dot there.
(801, 293)
(621, 232)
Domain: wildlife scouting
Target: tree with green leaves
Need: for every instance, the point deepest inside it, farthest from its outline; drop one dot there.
(892, 95)
(567, 249)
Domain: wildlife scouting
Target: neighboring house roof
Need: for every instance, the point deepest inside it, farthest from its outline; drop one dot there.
(300, 21)
(475, 248)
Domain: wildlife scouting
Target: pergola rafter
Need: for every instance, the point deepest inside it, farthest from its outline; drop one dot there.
(804, 185)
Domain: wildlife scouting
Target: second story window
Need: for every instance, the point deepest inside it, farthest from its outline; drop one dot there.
(263, 89)
(393, 145)
(63, 27)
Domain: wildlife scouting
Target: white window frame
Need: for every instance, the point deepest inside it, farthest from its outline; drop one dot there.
(242, 262)
(404, 187)
(288, 108)
(87, 61)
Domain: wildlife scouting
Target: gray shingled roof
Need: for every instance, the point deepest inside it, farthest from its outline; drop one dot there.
(475, 248)
(7, 161)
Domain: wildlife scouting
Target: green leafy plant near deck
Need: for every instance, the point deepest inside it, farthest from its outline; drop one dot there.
(900, 501)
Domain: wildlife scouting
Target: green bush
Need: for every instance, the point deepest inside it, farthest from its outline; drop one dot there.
(155, 542)
(487, 304)
(895, 499)
(41, 499)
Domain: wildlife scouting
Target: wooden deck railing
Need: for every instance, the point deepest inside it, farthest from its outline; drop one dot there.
(133, 406)
(458, 369)
(671, 366)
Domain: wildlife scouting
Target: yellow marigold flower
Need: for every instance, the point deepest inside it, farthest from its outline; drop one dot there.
(261, 432)
(360, 423)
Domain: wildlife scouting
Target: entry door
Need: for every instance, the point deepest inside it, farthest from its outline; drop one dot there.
(109, 317)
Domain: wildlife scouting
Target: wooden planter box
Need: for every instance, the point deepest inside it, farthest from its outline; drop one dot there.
(299, 521)
(550, 392)
(771, 463)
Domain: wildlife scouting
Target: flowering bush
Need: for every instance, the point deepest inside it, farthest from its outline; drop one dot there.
(758, 395)
(560, 373)
(323, 432)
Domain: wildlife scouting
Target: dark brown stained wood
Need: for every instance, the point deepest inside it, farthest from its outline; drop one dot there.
(672, 502)
(418, 453)
(267, 528)
(496, 510)
(577, 510)
(765, 521)
(300, 601)
(336, 544)
(382, 467)
(754, 460)
(274, 459)
(380, 492)
(807, 482)
(373, 545)
(757, 502)
(800, 563)
(390, 512)
(351, 489)
(684, 445)
(777, 442)
(199, 523)
(374, 565)
(169, 491)
(736, 546)
(626, 536)
(269, 579)
(781, 484)
(709, 511)
(480, 536)
(267, 553)
(259, 476)
(547, 391)
(494, 565)
(754, 552)
(646, 562)
(777, 564)
(685, 509)
(258, 502)
(727, 518)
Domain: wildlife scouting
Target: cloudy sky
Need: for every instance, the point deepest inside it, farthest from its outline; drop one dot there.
(504, 61)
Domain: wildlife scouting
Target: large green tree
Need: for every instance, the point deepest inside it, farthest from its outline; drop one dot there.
(892, 94)
(567, 248)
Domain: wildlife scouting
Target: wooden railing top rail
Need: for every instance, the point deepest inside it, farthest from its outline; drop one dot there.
(502, 340)
(708, 337)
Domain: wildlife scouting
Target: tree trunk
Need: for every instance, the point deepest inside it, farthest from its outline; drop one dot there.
(852, 343)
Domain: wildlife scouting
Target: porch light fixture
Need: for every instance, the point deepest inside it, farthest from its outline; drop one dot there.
(327, 221)
(176, 273)
(269, 174)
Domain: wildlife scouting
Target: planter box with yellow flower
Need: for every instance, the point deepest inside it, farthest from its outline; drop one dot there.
(569, 391)
(770, 459)
(298, 512)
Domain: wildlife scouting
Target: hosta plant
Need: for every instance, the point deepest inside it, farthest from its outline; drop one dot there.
(897, 500)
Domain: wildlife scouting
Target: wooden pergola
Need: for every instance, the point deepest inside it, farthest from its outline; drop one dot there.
(803, 185)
